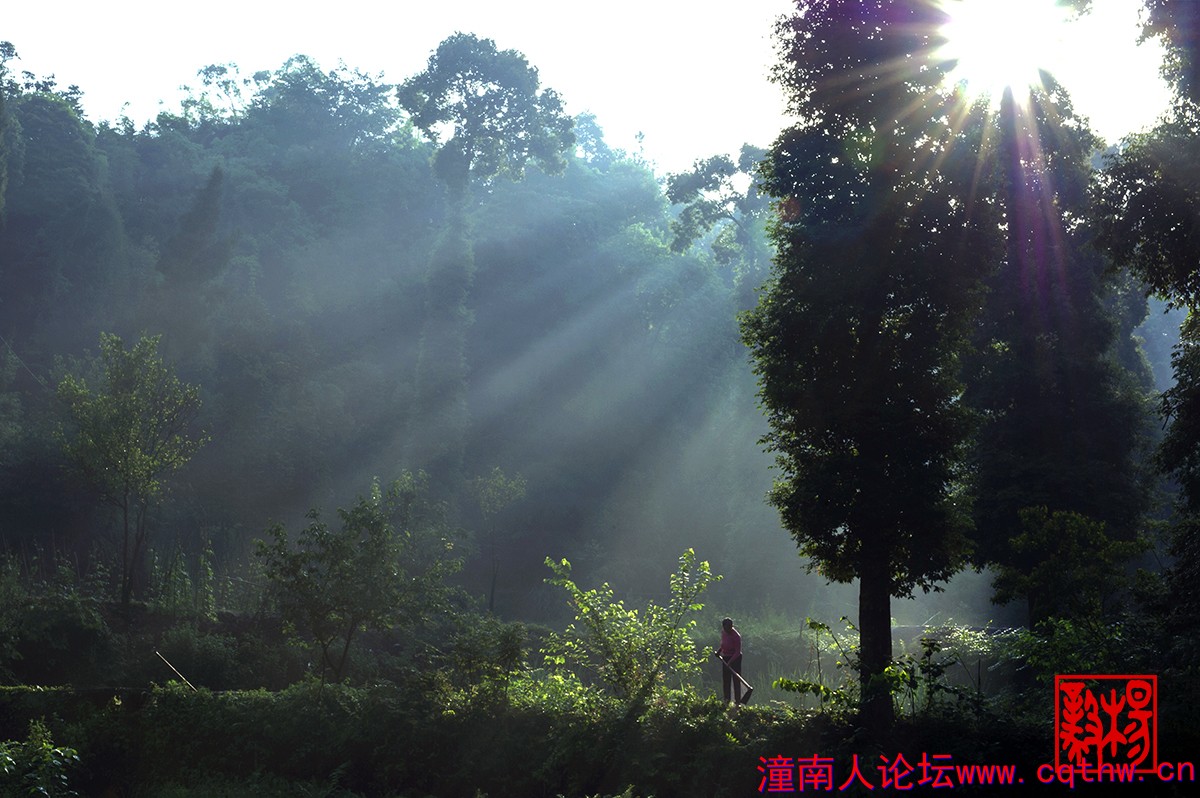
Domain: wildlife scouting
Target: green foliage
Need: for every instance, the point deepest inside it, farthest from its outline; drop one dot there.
(128, 434)
(1066, 423)
(1175, 22)
(1179, 451)
(1064, 565)
(195, 254)
(497, 121)
(171, 584)
(857, 338)
(279, 229)
(496, 115)
(1087, 644)
(36, 767)
(440, 418)
(487, 651)
(343, 740)
(494, 494)
(710, 197)
(385, 567)
(919, 682)
(213, 660)
(496, 491)
(1148, 188)
(63, 640)
(8, 134)
(62, 241)
(336, 112)
(52, 626)
(206, 589)
(630, 652)
(256, 785)
(1178, 593)
(12, 594)
(1146, 198)
(183, 589)
(716, 207)
(845, 695)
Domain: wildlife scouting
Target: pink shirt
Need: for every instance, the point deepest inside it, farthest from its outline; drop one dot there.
(731, 644)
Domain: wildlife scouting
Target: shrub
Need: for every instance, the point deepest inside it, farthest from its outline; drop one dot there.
(36, 766)
(627, 650)
(384, 567)
(62, 640)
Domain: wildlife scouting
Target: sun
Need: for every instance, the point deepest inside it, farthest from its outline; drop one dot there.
(1000, 44)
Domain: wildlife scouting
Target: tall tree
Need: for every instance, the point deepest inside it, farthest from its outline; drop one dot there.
(857, 338)
(1148, 197)
(484, 110)
(1065, 423)
(488, 107)
(127, 435)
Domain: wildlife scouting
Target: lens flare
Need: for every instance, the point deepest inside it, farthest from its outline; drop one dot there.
(1000, 44)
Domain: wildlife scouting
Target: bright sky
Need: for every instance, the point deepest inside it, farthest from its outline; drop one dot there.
(690, 74)
(1112, 80)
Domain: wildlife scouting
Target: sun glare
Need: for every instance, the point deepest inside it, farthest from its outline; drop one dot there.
(997, 44)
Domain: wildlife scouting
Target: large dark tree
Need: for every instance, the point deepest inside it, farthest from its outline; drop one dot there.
(1065, 423)
(1149, 222)
(857, 339)
(189, 264)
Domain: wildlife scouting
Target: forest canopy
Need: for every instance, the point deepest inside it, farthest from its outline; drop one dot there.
(288, 238)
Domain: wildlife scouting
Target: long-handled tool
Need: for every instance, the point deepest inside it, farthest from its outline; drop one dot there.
(746, 695)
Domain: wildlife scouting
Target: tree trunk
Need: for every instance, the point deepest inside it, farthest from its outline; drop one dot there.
(346, 648)
(126, 579)
(326, 663)
(133, 566)
(875, 640)
(495, 574)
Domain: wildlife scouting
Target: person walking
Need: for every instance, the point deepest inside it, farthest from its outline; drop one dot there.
(730, 652)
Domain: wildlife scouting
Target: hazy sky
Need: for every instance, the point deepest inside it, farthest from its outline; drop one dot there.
(690, 74)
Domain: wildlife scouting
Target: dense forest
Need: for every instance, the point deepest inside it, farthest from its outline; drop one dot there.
(361, 438)
(281, 247)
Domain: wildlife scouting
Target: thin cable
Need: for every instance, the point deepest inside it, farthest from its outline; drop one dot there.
(40, 381)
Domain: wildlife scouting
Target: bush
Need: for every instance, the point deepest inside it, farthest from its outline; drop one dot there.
(385, 567)
(62, 640)
(487, 651)
(36, 766)
(631, 652)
